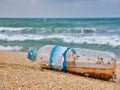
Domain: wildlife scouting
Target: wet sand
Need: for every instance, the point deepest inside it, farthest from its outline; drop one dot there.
(18, 73)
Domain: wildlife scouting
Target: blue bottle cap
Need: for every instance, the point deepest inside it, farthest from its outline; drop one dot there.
(31, 54)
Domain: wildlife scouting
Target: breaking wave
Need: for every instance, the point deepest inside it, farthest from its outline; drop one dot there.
(12, 28)
(76, 29)
(49, 29)
(101, 40)
(10, 48)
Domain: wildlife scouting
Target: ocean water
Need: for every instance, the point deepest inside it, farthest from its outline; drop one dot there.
(19, 34)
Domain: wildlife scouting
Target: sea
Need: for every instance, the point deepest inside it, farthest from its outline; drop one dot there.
(20, 34)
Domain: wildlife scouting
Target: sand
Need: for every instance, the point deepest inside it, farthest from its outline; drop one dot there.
(18, 73)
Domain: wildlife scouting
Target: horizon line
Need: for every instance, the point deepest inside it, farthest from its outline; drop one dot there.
(59, 17)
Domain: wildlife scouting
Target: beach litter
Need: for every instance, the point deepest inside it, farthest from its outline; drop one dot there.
(85, 62)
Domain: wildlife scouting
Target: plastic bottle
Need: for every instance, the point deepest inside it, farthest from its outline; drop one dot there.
(85, 62)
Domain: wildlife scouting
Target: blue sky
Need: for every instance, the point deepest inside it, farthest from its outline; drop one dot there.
(60, 8)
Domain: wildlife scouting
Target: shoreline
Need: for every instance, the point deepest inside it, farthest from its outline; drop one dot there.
(17, 72)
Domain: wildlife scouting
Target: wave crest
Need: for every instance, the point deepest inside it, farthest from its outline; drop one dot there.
(101, 40)
(12, 28)
(10, 48)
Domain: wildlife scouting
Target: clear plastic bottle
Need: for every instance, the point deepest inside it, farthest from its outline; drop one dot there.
(85, 62)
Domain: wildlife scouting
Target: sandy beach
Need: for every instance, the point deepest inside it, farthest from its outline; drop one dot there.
(18, 73)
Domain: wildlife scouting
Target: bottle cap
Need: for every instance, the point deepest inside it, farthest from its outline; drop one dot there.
(31, 54)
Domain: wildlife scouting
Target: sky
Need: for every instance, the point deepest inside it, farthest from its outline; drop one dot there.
(59, 8)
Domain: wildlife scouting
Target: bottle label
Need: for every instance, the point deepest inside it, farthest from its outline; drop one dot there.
(58, 58)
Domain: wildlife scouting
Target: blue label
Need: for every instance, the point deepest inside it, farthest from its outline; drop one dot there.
(58, 58)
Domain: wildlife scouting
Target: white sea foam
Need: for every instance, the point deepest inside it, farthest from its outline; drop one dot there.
(13, 28)
(10, 48)
(26, 37)
(101, 40)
